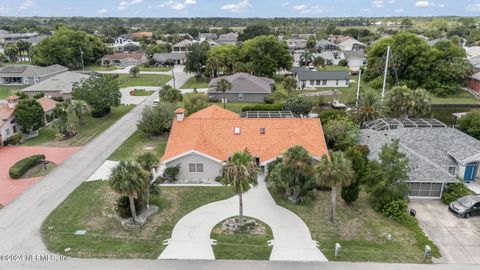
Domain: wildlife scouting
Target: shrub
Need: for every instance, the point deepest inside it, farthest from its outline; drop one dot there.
(263, 107)
(396, 210)
(123, 207)
(158, 119)
(24, 165)
(298, 105)
(326, 116)
(170, 94)
(350, 193)
(58, 99)
(195, 102)
(170, 173)
(101, 112)
(343, 63)
(453, 192)
(38, 95)
(15, 139)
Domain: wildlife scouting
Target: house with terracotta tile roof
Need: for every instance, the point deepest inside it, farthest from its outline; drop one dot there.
(203, 141)
(8, 125)
(48, 106)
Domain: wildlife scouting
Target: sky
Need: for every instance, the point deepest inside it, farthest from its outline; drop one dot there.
(239, 8)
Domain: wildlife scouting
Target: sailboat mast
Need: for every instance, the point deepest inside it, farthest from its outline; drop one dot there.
(386, 73)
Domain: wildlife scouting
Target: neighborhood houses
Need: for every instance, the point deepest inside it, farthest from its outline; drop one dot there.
(151, 132)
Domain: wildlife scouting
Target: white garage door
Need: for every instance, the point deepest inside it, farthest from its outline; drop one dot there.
(433, 190)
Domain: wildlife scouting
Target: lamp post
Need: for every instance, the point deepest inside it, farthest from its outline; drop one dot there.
(81, 55)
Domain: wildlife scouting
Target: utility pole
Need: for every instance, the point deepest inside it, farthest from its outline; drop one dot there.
(358, 86)
(173, 77)
(81, 54)
(386, 73)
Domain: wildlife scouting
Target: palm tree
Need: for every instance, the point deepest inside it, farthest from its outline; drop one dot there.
(239, 172)
(11, 50)
(369, 107)
(405, 102)
(134, 71)
(290, 84)
(223, 86)
(148, 161)
(129, 179)
(306, 57)
(79, 107)
(333, 172)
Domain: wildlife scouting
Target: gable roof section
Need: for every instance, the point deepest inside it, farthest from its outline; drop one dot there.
(350, 55)
(62, 83)
(121, 56)
(211, 132)
(30, 70)
(162, 57)
(5, 113)
(323, 75)
(244, 83)
(47, 103)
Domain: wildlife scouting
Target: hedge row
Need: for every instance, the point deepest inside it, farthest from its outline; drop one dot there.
(24, 165)
(264, 107)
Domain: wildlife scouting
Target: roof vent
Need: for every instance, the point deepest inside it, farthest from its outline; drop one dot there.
(236, 131)
(262, 130)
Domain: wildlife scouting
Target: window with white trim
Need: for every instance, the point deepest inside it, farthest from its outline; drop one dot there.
(195, 167)
(451, 170)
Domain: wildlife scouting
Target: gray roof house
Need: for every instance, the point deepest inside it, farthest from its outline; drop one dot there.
(28, 74)
(230, 38)
(314, 79)
(182, 46)
(355, 59)
(56, 86)
(176, 58)
(437, 154)
(245, 88)
(207, 36)
(352, 44)
(324, 45)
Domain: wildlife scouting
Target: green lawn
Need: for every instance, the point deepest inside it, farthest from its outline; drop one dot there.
(100, 68)
(360, 230)
(92, 128)
(195, 82)
(139, 143)
(461, 97)
(125, 80)
(241, 245)
(8, 90)
(87, 208)
(142, 92)
(156, 69)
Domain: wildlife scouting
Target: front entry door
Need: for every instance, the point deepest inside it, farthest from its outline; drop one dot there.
(470, 172)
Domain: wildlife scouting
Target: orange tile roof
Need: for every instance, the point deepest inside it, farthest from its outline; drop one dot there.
(142, 34)
(211, 132)
(5, 113)
(47, 103)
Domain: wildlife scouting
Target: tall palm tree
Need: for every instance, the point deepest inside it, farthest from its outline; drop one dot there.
(129, 179)
(290, 84)
(79, 107)
(334, 172)
(369, 107)
(223, 86)
(239, 172)
(404, 102)
(11, 50)
(148, 161)
(306, 57)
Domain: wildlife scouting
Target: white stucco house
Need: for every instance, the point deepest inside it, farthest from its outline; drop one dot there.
(8, 124)
(308, 79)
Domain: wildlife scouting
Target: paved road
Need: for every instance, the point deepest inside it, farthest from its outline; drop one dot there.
(458, 239)
(292, 239)
(83, 264)
(20, 221)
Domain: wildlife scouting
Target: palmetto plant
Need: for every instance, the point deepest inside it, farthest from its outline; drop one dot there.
(223, 86)
(334, 172)
(148, 161)
(307, 57)
(290, 84)
(239, 173)
(405, 102)
(79, 107)
(129, 179)
(370, 107)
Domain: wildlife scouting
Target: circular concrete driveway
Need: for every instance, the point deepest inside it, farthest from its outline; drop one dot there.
(292, 240)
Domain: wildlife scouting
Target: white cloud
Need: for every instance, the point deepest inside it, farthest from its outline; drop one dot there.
(284, 4)
(4, 10)
(424, 3)
(177, 5)
(400, 10)
(124, 4)
(391, 1)
(238, 7)
(473, 7)
(102, 11)
(190, 2)
(304, 9)
(378, 3)
(26, 4)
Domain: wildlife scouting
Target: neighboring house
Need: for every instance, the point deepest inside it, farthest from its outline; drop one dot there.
(57, 86)
(230, 38)
(141, 35)
(338, 38)
(304, 36)
(355, 59)
(245, 88)
(352, 44)
(124, 43)
(295, 44)
(124, 59)
(182, 46)
(28, 74)
(9, 37)
(473, 82)
(201, 143)
(475, 61)
(48, 106)
(437, 154)
(330, 56)
(8, 124)
(207, 36)
(173, 58)
(313, 79)
(324, 45)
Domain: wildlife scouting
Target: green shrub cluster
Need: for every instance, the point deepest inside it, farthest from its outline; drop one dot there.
(24, 165)
(453, 192)
(170, 173)
(264, 107)
(123, 207)
(15, 139)
(396, 210)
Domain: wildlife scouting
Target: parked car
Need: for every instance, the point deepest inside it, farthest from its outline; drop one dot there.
(466, 206)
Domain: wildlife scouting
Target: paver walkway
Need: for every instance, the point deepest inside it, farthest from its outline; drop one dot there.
(292, 239)
(10, 188)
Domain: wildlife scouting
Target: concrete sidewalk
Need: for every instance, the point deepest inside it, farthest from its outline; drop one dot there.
(292, 240)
